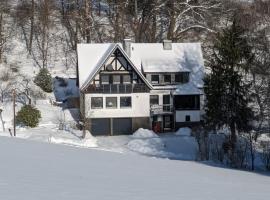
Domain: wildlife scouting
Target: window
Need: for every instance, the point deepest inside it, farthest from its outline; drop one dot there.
(166, 99)
(125, 102)
(182, 77)
(96, 102)
(126, 79)
(154, 100)
(155, 79)
(111, 102)
(187, 118)
(167, 78)
(116, 79)
(105, 79)
(187, 102)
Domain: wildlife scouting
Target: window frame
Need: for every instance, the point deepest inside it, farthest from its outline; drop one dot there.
(167, 75)
(101, 77)
(183, 77)
(123, 107)
(106, 102)
(155, 82)
(181, 104)
(152, 99)
(100, 107)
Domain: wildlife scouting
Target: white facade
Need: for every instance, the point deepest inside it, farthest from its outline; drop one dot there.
(140, 106)
(180, 116)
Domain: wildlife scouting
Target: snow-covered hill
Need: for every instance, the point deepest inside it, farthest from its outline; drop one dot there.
(32, 170)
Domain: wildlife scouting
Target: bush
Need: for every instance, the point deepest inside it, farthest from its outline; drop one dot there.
(28, 116)
(44, 80)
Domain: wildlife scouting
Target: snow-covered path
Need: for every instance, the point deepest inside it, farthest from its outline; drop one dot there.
(31, 170)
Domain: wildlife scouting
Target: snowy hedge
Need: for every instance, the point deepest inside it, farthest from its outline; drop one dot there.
(28, 116)
(44, 80)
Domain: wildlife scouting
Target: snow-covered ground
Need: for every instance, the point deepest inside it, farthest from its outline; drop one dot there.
(32, 170)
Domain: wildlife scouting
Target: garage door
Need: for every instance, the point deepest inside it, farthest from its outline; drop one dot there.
(100, 126)
(122, 126)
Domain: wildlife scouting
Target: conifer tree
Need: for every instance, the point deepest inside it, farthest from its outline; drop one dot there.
(227, 93)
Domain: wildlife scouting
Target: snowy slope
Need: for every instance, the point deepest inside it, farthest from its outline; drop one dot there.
(32, 170)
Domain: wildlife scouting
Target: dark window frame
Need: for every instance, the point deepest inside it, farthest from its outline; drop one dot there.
(187, 102)
(182, 77)
(151, 99)
(96, 107)
(157, 81)
(170, 78)
(121, 98)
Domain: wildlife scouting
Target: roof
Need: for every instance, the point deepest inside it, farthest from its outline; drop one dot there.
(184, 57)
(91, 57)
(145, 57)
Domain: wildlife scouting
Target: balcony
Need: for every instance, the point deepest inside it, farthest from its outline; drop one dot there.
(161, 109)
(117, 88)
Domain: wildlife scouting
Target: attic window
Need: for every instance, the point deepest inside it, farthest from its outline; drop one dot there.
(182, 77)
(155, 79)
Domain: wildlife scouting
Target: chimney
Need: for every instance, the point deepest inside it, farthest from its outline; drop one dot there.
(167, 44)
(127, 46)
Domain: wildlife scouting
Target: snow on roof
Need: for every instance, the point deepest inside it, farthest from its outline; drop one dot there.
(184, 57)
(146, 57)
(90, 57)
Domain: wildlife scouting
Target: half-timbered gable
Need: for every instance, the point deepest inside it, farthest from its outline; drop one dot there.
(117, 75)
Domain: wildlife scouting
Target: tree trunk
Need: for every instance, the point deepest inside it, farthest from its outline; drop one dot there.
(31, 26)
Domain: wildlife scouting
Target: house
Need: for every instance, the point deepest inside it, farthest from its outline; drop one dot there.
(140, 85)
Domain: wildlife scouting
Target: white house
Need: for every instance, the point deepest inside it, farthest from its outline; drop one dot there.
(148, 85)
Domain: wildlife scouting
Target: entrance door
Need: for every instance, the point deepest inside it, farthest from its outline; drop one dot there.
(166, 103)
(167, 122)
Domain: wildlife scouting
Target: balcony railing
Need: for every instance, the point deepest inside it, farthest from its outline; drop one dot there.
(161, 109)
(118, 88)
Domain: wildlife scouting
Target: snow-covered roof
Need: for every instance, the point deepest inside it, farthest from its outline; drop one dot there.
(183, 57)
(91, 57)
(145, 57)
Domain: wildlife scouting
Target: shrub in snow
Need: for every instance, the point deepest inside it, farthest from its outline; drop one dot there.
(28, 116)
(44, 80)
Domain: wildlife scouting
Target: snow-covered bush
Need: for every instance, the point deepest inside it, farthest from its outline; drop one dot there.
(28, 116)
(44, 80)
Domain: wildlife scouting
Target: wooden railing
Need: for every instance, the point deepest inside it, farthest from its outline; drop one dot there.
(117, 88)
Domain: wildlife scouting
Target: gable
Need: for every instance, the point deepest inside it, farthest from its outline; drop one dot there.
(113, 60)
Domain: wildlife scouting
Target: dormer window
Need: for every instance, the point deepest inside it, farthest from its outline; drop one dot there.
(182, 77)
(167, 78)
(155, 79)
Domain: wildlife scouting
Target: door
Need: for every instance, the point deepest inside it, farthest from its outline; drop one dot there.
(166, 103)
(167, 122)
(122, 126)
(100, 126)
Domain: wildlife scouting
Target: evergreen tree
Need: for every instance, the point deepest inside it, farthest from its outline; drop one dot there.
(44, 80)
(227, 93)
